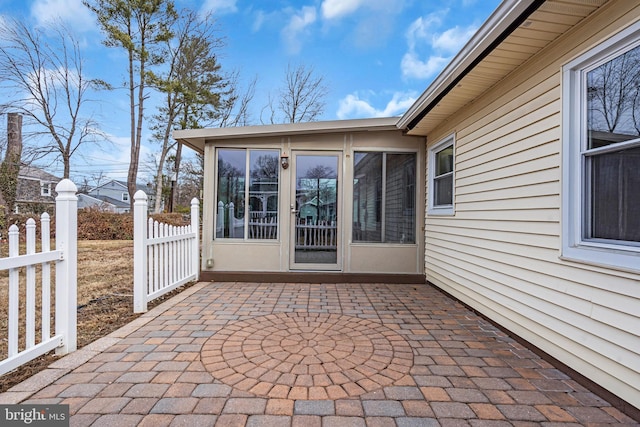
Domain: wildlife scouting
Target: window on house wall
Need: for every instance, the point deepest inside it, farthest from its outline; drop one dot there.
(45, 188)
(441, 177)
(125, 197)
(384, 197)
(601, 144)
(247, 194)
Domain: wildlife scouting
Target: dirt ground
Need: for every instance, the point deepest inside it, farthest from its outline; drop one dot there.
(105, 300)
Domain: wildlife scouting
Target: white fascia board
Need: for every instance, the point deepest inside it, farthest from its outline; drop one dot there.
(387, 123)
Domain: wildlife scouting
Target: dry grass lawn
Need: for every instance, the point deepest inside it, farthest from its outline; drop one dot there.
(105, 300)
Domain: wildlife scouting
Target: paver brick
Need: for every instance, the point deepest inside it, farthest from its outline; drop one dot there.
(306, 421)
(247, 406)
(279, 407)
(119, 420)
(104, 405)
(140, 405)
(314, 407)
(386, 408)
(417, 422)
(452, 410)
(521, 413)
(174, 405)
(486, 411)
(590, 415)
(341, 421)
(403, 393)
(82, 390)
(268, 421)
(193, 420)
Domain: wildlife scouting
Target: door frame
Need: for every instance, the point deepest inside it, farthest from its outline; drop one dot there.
(293, 265)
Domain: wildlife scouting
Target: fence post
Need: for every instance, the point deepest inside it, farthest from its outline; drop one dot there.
(195, 228)
(220, 220)
(140, 274)
(232, 220)
(67, 268)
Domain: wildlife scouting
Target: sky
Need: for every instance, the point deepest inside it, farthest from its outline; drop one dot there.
(375, 57)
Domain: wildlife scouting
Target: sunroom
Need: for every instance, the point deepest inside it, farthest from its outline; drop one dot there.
(336, 199)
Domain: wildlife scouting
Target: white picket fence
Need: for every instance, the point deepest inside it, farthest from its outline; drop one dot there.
(165, 256)
(65, 256)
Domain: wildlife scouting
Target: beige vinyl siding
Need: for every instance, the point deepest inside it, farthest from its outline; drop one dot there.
(500, 253)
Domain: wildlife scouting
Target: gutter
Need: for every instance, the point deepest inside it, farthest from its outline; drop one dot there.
(502, 22)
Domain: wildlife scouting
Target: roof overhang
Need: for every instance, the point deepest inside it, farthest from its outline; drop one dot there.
(196, 138)
(515, 32)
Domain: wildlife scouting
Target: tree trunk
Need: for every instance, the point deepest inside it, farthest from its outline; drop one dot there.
(175, 192)
(11, 165)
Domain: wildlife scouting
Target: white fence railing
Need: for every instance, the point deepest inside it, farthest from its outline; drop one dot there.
(321, 235)
(165, 256)
(65, 257)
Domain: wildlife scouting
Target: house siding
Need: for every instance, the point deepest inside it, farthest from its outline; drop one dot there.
(501, 251)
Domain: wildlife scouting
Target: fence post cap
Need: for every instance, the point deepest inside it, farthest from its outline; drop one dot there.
(140, 195)
(195, 202)
(66, 186)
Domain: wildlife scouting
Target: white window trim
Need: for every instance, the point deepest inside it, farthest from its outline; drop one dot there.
(574, 246)
(432, 209)
(125, 197)
(45, 188)
(246, 218)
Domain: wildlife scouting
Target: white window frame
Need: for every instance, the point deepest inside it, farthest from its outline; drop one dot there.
(247, 193)
(125, 197)
(575, 247)
(432, 208)
(45, 188)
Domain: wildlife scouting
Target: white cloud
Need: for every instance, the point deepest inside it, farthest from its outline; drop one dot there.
(419, 30)
(72, 12)
(412, 66)
(292, 33)
(352, 106)
(219, 6)
(436, 47)
(454, 38)
(258, 21)
(334, 9)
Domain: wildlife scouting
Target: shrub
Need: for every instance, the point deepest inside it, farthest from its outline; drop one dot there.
(95, 225)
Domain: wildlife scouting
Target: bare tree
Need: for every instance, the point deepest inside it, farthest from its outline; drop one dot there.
(234, 109)
(47, 85)
(141, 28)
(613, 98)
(193, 87)
(302, 97)
(10, 167)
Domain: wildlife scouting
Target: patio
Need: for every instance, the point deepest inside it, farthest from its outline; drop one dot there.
(234, 354)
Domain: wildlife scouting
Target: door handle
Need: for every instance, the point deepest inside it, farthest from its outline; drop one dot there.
(294, 210)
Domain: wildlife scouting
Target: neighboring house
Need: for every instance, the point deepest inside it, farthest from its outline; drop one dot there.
(112, 196)
(104, 204)
(526, 208)
(35, 192)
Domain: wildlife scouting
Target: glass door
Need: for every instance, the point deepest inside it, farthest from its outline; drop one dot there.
(315, 225)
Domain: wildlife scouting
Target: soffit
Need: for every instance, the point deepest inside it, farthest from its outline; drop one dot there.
(547, 23)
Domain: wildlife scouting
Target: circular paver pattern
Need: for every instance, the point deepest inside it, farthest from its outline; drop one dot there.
(307, 356)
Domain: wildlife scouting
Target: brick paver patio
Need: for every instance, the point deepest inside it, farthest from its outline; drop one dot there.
(242, 354)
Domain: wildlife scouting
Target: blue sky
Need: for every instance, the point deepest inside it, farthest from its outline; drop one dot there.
(376, 56)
